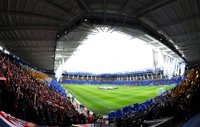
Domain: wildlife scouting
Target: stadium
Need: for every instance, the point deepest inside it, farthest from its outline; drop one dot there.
(99, 63)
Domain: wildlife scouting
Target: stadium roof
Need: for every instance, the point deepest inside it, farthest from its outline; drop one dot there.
(36, 30)
(105, 51)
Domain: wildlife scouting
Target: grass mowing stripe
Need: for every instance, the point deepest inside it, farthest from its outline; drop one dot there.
(104, 101)
(87, 99)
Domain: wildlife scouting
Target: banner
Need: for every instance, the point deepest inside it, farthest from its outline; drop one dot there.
(7, 120)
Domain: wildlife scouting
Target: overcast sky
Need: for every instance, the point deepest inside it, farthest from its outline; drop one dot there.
(108, 52)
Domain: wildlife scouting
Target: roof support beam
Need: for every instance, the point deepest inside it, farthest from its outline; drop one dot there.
(104, 6)
(81, 4)
(84, 4)
(27, 39)
(156, 4)
(126, 3)
(174, 23)
(197, 45)
(51, 4)
(29, 27)
(32, 49)
(30, 15)
(187, 50)
(27, 46)
(76, 4)
(185, 34)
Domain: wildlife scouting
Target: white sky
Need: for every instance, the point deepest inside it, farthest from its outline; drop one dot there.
(108, 52)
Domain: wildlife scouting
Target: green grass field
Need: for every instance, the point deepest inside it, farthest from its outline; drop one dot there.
(104, 101)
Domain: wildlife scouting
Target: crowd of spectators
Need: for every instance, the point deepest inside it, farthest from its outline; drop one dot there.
(37, 75)
(115, 77)
(155, 82)
(54, 84)
(25, 96)
(182, 103)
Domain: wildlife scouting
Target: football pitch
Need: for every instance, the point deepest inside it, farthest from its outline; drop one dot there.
(104, 101)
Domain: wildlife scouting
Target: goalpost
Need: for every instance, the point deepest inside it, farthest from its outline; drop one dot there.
(160, 90)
